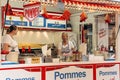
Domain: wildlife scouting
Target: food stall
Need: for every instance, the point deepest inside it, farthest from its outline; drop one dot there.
(40, 24)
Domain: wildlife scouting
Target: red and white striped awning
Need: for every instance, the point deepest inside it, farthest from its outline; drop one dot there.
(101, 5)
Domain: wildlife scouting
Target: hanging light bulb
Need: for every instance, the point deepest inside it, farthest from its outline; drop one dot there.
(65, 3)
(77, 4)
(112, 9)
(94, 7)
(43, 0)
(91, 9)
(79, 7)
(48, 1)
(69, 3)
(118, 9)
(73, 4)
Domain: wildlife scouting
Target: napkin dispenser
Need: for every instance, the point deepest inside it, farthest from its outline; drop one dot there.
(48, 59)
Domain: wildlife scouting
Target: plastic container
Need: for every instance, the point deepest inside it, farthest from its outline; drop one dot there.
(12, 56)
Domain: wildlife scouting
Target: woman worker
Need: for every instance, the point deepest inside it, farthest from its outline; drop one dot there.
(8, 42)
(65, 47)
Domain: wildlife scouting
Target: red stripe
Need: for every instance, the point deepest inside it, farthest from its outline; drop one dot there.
(33, 69)
(104, 65)
(50, 68)
(94, 72)
(85, 66)
(119, 70)
(93, 4)
(29, 5)
(30, 67)
(43, 75)
(55, 68)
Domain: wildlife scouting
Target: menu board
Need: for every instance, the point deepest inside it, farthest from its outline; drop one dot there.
(18, 18)
(58, 24)
(16, 21)
(38, 22)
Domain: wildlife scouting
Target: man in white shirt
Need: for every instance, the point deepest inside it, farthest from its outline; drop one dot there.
(65, 47)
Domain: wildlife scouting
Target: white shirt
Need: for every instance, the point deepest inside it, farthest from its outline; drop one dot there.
(69, 43)
(83, 48)
(12, 43)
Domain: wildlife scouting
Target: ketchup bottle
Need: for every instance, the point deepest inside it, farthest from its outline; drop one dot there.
(29, 49)
(23, 49)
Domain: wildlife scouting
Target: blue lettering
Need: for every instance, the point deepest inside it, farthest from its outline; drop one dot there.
(101, 73)
(62, 76)
(33, 78)
(69, 75)
(30, 78)
(56, 74)
(84, 74)
(24, 78)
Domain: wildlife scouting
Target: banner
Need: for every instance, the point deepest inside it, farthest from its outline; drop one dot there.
(17, 18)
(70, 73)
(107, 72)
(21, 74)
(102, 34)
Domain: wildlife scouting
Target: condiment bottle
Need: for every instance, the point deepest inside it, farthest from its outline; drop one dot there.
(74, 56)
(3, 54)
(29, 49)
(23, 49)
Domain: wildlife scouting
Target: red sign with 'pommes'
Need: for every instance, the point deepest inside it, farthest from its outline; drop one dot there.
(31, 11)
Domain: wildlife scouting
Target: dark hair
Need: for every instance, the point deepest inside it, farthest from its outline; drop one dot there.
(7, 31)
(12, 27)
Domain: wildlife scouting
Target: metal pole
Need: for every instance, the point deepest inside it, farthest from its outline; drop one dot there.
(5, 17)
(117, 32)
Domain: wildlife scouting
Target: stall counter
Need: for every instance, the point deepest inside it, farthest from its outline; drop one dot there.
(62, 71)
